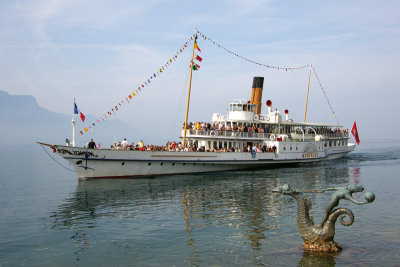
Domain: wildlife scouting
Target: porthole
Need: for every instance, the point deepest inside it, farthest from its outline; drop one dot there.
(184, 164)
(173, 163)
(162, 163)
(149, 164)
(123, 163)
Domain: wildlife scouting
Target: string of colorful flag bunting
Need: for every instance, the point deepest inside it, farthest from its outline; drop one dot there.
(146, 82)
(195, 66)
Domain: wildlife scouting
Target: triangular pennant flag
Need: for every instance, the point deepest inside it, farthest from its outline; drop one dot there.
(196, 46)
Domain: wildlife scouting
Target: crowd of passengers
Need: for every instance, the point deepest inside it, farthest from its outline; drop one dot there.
(174, 146)
(220, 127)
(203, 126)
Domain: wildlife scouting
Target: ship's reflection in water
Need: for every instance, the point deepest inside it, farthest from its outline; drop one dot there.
(221, 219)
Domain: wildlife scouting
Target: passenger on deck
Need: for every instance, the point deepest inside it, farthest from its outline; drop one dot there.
(141, 144)
(92, 144)
(124, 144)
(119, 147)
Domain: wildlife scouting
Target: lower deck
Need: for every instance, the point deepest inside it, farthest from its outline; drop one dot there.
(109, 163)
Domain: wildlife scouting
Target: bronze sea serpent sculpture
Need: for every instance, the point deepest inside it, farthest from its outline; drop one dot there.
(319, 237)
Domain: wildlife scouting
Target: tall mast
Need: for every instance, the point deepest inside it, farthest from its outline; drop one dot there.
(308, 90)
(188, 98)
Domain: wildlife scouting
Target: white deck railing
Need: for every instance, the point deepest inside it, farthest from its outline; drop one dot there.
(249, 135)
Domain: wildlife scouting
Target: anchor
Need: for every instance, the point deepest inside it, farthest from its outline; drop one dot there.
(79, 162)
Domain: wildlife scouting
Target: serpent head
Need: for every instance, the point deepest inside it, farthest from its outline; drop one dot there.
(353, 188)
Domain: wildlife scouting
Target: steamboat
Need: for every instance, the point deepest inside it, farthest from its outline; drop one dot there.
(241, 140)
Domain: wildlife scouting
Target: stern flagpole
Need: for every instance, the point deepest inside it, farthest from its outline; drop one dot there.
(190, 84)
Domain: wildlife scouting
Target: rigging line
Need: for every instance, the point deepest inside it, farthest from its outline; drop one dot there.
(250, 60)
(326, 97)
(177, 120)
(56, 160)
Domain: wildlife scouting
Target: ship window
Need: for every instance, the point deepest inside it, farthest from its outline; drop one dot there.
(161, 163)
(149, 164)
(296, 147)
(330, 143)
(184, 164)
(123, 163)
(284, 148)
(325, 144)
(239, 108)
(244, 107)
(290, 148)
(173, 163)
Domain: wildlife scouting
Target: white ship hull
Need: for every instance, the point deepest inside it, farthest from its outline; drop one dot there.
(110, 163)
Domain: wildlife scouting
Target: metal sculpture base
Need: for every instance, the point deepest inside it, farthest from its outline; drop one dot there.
(319, 237)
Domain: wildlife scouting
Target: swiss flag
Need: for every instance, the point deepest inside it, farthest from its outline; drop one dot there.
(354, 131)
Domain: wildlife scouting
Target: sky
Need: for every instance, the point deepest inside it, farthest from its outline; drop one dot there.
(100, 51)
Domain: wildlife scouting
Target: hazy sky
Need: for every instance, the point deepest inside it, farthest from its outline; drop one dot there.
(100, 51)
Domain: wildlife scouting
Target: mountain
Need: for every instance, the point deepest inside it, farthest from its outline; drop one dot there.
(25, 122)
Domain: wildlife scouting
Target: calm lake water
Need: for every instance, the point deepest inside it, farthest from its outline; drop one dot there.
(48, 218)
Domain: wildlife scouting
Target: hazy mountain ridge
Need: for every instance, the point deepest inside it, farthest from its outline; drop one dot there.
(25, 122)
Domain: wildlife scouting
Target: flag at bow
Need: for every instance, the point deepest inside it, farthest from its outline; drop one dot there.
(354, 131)
(76, 111)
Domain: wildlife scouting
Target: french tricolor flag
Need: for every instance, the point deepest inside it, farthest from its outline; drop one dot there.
(76, 111)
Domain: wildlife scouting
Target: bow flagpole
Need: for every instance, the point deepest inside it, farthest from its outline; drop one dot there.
(73, 125)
